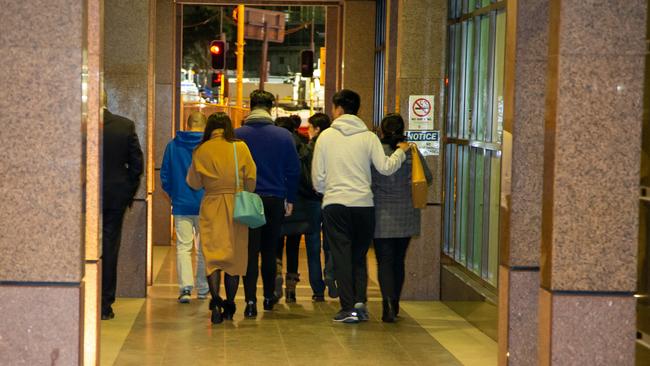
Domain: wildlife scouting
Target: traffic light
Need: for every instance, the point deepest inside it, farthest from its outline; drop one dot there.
(217, 77)
(218, 54)
(307, 63)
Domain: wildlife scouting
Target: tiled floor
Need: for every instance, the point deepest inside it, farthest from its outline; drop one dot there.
(159, 331)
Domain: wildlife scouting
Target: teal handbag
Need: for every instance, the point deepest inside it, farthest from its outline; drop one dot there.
(249, 209)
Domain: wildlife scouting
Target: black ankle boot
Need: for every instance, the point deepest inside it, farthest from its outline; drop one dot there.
(396, 307)
(216, 307)
(229, 309)
(388, 314)
(251, 310)
(269, 302)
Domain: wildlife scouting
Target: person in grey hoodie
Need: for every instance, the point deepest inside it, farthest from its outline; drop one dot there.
(341, 171)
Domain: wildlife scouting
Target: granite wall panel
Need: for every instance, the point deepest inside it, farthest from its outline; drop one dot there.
(43, 141)
(523, 289)
(161, 215)
(596, 129)
(129, 63)
(422, 39)
(587, 329)
(359, 53)
(132, 260)
(39, 325)
(423, 259)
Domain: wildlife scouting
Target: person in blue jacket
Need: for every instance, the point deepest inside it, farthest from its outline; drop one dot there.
(185, 206)
(278, 173)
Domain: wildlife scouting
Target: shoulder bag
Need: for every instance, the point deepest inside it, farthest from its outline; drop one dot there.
(249, 209)
(419, 186)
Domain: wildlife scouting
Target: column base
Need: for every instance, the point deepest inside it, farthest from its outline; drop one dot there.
(586, 328)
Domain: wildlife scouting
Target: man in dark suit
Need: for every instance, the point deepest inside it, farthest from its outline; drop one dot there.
(123, 166)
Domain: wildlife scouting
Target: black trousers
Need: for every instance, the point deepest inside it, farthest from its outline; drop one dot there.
(391, 254)
(264, 241)
(293, 249)
(349, 231)
(111, 238)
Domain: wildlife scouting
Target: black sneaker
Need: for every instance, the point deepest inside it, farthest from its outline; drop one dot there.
(269, 303)
(344, 316)
(251, 310)
(362, 311)
(185, 296)
(332, 290)
(108, 315)
(318, 298)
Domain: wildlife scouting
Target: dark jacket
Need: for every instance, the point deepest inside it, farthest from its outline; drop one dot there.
(274, 153)
(306, 188)
(122, 161)
(176, 162)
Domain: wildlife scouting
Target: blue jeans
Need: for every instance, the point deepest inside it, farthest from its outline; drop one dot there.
(313, 246)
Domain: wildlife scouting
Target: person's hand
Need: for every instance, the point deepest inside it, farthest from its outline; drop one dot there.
(404, 146)
(288, 209)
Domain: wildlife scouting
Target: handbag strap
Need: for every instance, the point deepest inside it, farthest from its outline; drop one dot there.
(234, 149)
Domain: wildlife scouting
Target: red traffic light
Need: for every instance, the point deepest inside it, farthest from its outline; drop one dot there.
(215, 49)
(218, 54)
(217, 78)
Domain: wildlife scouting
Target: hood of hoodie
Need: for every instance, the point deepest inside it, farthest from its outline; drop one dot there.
(349, 124)
(188, 139)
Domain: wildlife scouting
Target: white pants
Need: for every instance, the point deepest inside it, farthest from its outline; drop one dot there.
(187, 233)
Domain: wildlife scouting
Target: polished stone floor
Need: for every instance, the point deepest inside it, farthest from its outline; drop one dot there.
(159, 331)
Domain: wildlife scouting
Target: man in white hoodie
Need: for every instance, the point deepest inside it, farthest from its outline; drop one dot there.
(341, 171)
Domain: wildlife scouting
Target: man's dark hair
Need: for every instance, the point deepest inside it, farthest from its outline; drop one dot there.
(261, 99)
(297, 121)
(320, 120)
(348, 100)
(286, 123)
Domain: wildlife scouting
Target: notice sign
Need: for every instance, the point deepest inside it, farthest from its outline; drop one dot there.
(427, 141)
(421, 112)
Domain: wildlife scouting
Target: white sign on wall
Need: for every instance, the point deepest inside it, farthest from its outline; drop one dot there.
(421, 112)
(428, 142)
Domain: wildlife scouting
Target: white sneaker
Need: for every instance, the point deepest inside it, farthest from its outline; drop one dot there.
(362, 311)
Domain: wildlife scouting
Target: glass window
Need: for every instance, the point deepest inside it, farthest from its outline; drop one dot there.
(499, 57)
(483, 82)
(467, 79)
(474, 121)
(477, 212)
(495, 197)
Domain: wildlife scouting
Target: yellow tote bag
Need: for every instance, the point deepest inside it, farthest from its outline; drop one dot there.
(419, 187)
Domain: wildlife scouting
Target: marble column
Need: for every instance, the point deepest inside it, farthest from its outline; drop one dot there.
(332, 54)
(521, 188)
(420, 67)
(128, 65)
(591, 177)
(392, 22)
(164, 116)
(49, 143)
(94, 45)
(359, 53)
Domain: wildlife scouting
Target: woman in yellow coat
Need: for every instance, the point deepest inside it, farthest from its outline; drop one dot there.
(224, 240)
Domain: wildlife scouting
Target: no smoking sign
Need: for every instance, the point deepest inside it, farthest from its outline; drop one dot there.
(421, 112)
